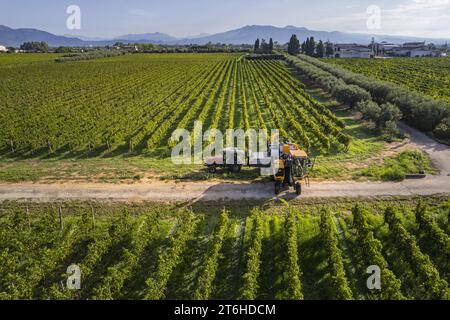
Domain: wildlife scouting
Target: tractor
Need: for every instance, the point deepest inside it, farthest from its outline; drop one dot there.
(294, 164)
(293, 167)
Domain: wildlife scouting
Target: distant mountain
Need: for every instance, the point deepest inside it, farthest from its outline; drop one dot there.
(15, 37)
(201, 35)
(248, 35)
(244, 35)
(81, 37)
(156, 37)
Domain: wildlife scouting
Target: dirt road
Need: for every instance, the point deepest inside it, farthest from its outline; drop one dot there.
(208, 191)
(216, 191)
(439, 153)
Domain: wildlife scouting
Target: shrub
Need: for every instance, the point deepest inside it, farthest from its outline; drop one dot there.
(419, 111)
(385, 116)
(442, 131)
(396, 168)
(395, 173)
(351, 94)
(369, 109)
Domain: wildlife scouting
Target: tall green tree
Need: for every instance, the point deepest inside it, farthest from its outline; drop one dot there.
(264, 48)
(320, 51)
(310, 46)
(256, 49)
(294, 46)
(271, 45)
(35, 46)
(304, 47)
(329, 51)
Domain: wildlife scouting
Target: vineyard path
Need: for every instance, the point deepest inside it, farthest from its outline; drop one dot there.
(213, 191)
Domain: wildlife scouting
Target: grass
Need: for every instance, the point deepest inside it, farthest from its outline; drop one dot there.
(365, 147)
(398, 167)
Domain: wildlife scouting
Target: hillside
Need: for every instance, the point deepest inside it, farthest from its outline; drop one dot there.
(244, 35)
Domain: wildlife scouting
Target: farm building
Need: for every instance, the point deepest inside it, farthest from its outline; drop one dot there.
(414, 49)
(352, 51)
(385, 48)
(408, 49)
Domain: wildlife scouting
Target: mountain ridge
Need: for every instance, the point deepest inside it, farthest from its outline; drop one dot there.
(244, 35)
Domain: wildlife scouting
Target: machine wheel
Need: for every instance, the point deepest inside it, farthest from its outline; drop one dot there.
(278, 186)
(235, 168)
(298, 188)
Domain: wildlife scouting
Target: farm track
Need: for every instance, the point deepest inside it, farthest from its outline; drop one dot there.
(211, 191)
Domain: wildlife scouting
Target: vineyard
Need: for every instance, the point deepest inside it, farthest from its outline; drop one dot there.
(428, 76)
(155, 251)
(132, 104)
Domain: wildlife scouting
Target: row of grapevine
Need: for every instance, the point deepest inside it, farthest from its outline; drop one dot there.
(243, 96)
(210, 265)
(218, 113)
(154, 128)
(192, 106)
(425, 271)
(233, 94)
(298, 129)
(210, 102)
(294, 290)
(432, 229)
(340, 289)
(429, 76)
(292, 98)
(370, 253)
(169, 258)
(272, 111)
(253, 256)
(143, 252)
(298, 89)
(331, 125)
(95, 108)
(252, 88)
(111, 285)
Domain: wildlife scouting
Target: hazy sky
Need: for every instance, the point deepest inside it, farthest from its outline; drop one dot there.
(109, 18)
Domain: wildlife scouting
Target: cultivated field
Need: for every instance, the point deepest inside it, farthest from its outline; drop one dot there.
(110, 119)
(425, 75)
(249, 251)
(134, 103)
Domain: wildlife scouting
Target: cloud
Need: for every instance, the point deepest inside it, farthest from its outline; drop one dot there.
(415, 7)
(419, 17)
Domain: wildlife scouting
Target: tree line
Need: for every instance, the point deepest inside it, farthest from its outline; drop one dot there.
(263, 47)
(419, 111)
(385, 115)
(310, 47)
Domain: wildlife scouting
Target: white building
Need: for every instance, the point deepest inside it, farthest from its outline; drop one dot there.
(3, 49)
(385, 48)
(352, 51)
(415, 49)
